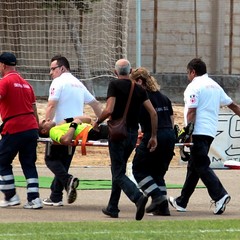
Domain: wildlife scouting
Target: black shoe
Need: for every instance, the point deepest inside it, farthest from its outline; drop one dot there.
(157, 203)
(163, 210)
(140, 204)
(110, 214)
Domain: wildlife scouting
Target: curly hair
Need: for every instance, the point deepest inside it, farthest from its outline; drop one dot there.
(149, 82)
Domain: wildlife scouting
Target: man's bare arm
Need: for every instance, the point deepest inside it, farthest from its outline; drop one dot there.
(172, 120)
(51, 109)
(83, 119)
(106, 113)
(96, 106)
(235, 108)
(67, 138)
(34, 106)
(191, 115)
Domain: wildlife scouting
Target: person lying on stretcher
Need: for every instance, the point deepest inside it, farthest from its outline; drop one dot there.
(72, 129)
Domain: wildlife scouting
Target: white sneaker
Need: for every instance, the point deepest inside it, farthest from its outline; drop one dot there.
(72, 189)
(221, 204)
(34, 204)
(11, 202)
(173, 202)
(49, 202)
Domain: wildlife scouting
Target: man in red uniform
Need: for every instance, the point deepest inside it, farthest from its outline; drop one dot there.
(19, 134)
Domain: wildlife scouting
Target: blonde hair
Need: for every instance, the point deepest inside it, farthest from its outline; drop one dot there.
(149, 82)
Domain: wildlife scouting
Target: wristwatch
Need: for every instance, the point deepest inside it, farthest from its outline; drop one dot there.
(73, 125)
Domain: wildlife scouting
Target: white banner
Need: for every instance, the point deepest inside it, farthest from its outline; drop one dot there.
(226, 145)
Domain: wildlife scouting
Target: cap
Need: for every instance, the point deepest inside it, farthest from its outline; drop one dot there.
(8, 59)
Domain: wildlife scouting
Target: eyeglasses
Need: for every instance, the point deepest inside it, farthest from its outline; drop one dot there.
(53, 68)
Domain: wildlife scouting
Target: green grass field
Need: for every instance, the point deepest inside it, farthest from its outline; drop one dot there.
(124, 230)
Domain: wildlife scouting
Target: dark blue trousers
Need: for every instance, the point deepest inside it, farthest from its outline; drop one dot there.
(149, 168)
(119, 154)
(24, 144)
(198, 168)
(59, 161)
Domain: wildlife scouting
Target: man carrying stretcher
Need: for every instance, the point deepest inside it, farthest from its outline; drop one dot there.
(68, 133)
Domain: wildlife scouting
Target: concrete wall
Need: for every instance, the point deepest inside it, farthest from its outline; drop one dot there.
(173, 85)
(179, 38)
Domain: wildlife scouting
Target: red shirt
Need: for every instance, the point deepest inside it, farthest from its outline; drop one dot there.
(17, 98)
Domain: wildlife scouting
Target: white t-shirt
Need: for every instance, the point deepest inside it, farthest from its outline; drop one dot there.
(207, 96)
(71, 95)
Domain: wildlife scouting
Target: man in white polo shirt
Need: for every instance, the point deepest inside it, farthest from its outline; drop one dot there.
(203, 98)
(67, 96)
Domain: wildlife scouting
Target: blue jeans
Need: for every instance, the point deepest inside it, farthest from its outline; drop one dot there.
(198, 168)
(24, 144)
(119, 154)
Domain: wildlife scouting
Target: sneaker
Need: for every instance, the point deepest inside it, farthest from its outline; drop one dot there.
(71, 190)
(34, 204)
(220, 205)
(11, 202)
(140, 204)
(49, 202)
(110, 214)
(173, 202)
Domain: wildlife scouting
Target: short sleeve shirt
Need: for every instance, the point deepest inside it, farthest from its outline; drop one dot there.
(17, 99)
(163, 107)
(120, 89)
(58, 131)
(207, 96)
(71, 95)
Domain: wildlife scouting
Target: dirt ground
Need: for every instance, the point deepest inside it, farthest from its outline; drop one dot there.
(95, 165)
(89, 203)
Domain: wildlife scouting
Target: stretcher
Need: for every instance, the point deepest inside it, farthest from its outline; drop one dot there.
(99, 143)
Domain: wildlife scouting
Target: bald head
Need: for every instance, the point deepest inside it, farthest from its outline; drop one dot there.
(123, 67)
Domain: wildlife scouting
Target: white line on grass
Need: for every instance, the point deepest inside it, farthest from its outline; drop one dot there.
(117, 232)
